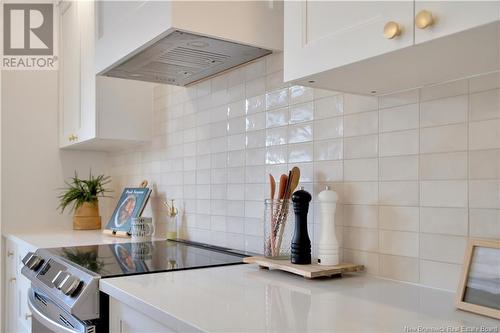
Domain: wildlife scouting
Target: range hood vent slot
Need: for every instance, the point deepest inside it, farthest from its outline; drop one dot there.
(181, 58)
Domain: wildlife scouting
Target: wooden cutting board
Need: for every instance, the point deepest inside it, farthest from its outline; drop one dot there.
(308, 271)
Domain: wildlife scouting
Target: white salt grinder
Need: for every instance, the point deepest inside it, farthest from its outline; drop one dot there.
(328, 247)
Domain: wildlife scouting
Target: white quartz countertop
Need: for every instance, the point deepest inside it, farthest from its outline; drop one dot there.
(246, 298)
(62, 237)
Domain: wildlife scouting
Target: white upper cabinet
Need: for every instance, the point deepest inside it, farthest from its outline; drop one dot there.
(96, 113)
(435, 19)
(377, 47)
(320, 35)
(70, 74)
(127, 27)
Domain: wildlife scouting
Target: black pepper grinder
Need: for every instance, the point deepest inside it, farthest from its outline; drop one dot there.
(301, 244)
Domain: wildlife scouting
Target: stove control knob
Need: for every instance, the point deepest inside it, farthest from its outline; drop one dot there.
(70, 284)
(32, 261)
(59, 278)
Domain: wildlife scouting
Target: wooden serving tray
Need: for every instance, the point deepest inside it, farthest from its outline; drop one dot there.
(308, 271)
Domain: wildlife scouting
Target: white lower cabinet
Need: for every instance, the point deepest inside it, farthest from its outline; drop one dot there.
(17, 314)
(124, 319)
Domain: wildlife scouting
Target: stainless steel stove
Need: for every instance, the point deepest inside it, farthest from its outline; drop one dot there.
(65, 296)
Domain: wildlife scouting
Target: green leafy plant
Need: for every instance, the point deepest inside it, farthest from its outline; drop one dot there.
(87, 259)
(80, 191)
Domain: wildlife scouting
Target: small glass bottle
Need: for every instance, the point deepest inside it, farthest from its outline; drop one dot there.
(172, 220)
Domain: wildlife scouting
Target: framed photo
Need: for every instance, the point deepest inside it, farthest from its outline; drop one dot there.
(479, 287)
(131, 204)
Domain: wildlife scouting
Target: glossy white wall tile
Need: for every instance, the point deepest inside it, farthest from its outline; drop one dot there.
(417, 172)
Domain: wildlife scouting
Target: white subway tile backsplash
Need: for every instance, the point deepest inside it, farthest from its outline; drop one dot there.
(443, 139)
(300, 94)
(399, 193)
(484, 164)
(440, 275)
(255, 104)
(485, 105)
(444, 111)
(361, 193)
(369, 259)
(277, 117)
(256, 139)
(399, 268)
(484, 134)
(277, 99)
(301, 113)
(398, 143)
(399, 218)
(302, 152)
(360, 239)
(361, 216)
(328, 171)
(397, 99)
(399, 118)
(276, 155)
(361, 124)
(484, 82)
(415, 178)
(328, 107)
(443, 248)
(300, 133)
(328, 128)
(484, 223)
(443, 90)
(399, 168)
(448, 221)
(358, 103)
(484, 193)
(443, 166)
(449, 193)
(361, 147)
(328, 150)
(255, 87)
(361, 170)
(276, 136)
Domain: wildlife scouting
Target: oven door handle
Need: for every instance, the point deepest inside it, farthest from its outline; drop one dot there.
(46, 321)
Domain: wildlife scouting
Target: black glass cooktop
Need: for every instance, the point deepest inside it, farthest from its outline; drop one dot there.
(112, 260)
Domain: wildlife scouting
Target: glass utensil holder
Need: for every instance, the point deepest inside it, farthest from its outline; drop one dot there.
(278, 228)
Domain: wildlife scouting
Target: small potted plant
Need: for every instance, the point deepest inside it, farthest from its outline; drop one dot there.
(83, 195)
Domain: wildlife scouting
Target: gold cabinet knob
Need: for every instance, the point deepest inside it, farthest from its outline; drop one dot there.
(424, 19)
(72, 137)
(27, 316)
(12, 279)
(10, 253)
(391, 30)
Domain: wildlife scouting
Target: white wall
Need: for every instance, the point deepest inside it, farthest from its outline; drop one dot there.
(33, 167)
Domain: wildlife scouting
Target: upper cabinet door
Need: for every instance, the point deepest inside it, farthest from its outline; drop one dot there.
(69, 79)
(87, 70)
(321, 35)
(435, 19)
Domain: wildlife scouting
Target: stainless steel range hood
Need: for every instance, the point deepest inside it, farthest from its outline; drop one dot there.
(181, 58)
(182, 42)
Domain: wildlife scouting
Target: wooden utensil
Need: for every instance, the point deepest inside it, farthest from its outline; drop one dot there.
(283, 182)
(272, 183)
(292, 182)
